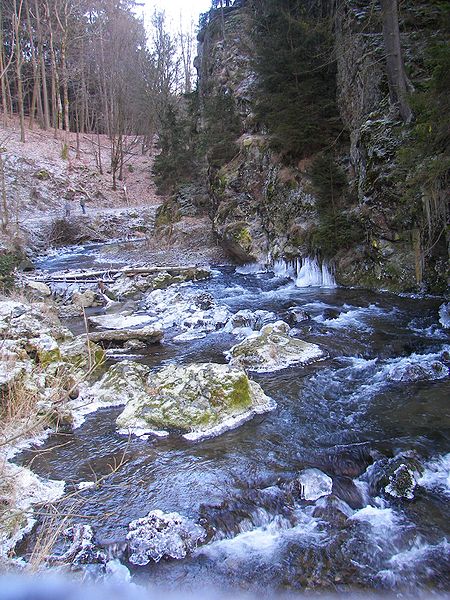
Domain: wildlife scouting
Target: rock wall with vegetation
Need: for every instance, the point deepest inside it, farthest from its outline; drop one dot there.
(301, 149)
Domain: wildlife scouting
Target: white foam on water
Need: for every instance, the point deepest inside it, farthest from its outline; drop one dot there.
(429, 364)
(404, 564)
(264, 542)
(353, 317)
(436, 476)
(432, 332)
(444, 315)
(380, 519)
(251, 269)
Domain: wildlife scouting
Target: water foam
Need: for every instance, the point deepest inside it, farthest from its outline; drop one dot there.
(436, 476)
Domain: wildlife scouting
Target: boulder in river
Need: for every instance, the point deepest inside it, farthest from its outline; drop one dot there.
(402, 483)
(397, 477)
(38, 288)
(161, 535)
(273, 349)
(86, 299)
(415, 369)
(198, 400)
(134, 282)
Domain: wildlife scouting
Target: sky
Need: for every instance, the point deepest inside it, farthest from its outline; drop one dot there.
(189, 9)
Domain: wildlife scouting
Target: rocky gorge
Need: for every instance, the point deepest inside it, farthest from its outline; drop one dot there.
(240, 387)
(354, 202)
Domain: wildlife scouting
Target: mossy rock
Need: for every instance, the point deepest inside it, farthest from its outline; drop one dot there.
(76, 352)
(197, 400)
(273, 349)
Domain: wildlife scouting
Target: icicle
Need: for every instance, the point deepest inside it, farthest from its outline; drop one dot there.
(306, 272)
(327, 277)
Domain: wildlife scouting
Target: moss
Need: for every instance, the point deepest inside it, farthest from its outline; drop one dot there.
(42, 175)
(47, 357)
(243, 238)
(240, 396)
(167, 214)
(164, 280)
(219, 184)
(65, 152)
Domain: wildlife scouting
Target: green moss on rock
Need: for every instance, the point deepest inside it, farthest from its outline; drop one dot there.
(194, 399)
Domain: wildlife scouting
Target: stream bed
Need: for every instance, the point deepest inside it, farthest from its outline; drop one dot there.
(348, 405)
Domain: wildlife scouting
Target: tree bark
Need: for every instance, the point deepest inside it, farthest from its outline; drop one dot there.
(18, 50)
(397, 79)
(46, 109)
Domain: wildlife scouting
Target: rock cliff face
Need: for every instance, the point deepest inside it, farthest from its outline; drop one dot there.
(264, 210)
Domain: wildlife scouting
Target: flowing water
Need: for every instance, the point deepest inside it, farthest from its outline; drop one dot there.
(262, 536)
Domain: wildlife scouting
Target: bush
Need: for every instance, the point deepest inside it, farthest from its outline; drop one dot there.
(8, 262)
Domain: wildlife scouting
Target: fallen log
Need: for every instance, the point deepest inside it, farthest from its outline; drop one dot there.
(149, 335)
(86, 276)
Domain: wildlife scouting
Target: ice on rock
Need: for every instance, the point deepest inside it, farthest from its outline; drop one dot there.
(82, 550)
(402, 483)
(245, 322)
(444, 315)
(196, 314)
(314, 484)
(273, 348)
(161, 535)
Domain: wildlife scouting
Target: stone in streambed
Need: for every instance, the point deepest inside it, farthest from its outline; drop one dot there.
(161, 535)
(411, 370)
(199, 400)
(38, 288)
(86, 299)
(273, 349)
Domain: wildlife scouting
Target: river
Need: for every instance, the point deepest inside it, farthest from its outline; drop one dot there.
(263, 538)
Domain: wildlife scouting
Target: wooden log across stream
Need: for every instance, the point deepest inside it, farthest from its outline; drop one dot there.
(109, 275)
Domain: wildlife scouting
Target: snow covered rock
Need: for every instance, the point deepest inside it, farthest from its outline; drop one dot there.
(273, 349)
(161, 535)
(199, 400)
(402, 483)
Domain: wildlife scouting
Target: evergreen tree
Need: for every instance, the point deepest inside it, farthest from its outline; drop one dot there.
(297, 76)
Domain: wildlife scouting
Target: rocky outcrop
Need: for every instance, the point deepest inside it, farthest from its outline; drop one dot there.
(148, 335)
(264, 209)
(272, 349)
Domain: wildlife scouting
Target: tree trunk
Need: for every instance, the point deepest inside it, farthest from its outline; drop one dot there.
(46, 109)
(397, 79)
(36, 83)
(5, 218)
(18, 51)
